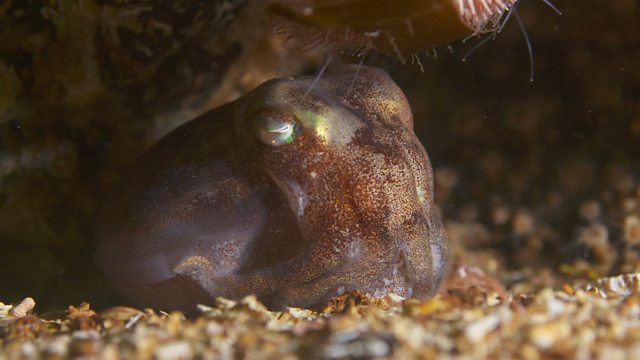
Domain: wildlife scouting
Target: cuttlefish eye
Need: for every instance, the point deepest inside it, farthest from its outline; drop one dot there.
(276, 129)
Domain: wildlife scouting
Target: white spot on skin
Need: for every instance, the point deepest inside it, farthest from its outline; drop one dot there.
(354, 250)
(437, 259)
(422, 194)
(302, 204)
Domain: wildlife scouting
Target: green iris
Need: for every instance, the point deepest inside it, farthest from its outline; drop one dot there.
(276, 131)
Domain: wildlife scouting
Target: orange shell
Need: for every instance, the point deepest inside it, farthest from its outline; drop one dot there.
(392, 27)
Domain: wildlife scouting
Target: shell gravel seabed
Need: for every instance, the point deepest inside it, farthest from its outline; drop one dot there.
(579, 321)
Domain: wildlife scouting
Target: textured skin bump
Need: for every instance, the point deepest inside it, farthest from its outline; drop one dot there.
(346, 204)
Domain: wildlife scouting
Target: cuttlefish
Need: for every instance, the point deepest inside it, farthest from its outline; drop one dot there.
(297, 192)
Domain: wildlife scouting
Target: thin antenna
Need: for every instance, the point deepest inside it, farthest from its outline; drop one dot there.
(315, 81)
(526, 39)
(396, 49)
(478, 45)
(504, 21)
(492, 34)
(355, 75)
(553, 7)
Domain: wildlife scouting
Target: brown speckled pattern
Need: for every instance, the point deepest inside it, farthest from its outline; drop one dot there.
(348, 204)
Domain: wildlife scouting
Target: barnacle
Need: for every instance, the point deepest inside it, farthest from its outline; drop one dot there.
(393, 27)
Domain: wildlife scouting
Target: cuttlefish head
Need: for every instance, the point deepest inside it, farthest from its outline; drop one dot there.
(342, 149)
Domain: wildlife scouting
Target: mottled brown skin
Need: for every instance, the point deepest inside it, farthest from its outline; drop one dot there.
(342, 201)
